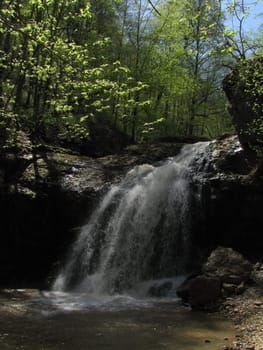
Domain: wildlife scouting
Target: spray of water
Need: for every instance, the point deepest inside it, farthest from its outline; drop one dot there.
(139, 231)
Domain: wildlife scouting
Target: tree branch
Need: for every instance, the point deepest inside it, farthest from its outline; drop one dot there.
(155, 9)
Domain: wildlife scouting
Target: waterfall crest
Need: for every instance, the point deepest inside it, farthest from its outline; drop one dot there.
(140, 230)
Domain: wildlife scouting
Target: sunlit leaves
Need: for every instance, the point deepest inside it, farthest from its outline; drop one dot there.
(65, 77)
(151, 127)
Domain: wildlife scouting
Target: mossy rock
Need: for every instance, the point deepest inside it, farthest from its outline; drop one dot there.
(244, 89)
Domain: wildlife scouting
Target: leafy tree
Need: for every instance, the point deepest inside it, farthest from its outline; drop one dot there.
(187, 66)
(238, 41)
(54, 77)
(151, 69)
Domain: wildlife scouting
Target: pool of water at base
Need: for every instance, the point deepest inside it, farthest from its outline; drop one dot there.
(33, 320)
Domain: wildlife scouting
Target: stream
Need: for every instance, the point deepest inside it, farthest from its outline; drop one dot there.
(34, 320)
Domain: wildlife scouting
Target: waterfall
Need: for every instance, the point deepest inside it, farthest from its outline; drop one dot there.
(140, 230)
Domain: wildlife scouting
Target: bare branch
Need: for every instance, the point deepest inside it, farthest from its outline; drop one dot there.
(155, 9)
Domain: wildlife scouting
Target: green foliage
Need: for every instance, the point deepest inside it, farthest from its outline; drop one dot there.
(63, 63)
(185, 69)
(53, 76)
(251, 77)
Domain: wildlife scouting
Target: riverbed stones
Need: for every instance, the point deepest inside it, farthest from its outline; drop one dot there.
(247, 314)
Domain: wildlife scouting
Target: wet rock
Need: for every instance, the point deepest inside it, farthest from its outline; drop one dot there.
(228, 265)
(200, 291)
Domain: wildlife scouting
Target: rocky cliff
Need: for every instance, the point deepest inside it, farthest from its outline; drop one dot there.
(46, 193)
(232, 200)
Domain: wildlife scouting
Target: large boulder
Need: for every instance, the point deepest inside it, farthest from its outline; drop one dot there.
(224, 273)
(200, 291)
(228, 265)
(204, 291)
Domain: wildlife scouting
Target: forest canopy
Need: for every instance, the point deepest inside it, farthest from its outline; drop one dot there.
(149, 69)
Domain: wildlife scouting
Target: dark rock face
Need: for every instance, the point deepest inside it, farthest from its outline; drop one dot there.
(231, 201)
(243, 88)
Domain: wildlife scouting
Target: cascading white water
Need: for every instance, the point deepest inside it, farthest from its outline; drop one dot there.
(139, 231)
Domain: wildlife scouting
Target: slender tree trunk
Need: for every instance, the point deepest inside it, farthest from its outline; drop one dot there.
(135, 117)
(136, 69)
(194, 98)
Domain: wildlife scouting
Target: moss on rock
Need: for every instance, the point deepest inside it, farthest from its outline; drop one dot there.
(244, 89)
